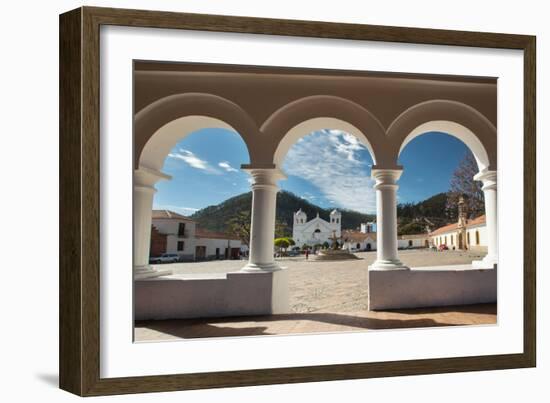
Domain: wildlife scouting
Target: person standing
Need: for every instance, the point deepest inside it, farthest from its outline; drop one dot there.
(307, 254)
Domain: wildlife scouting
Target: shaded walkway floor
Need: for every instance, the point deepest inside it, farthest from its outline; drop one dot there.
(318, 322)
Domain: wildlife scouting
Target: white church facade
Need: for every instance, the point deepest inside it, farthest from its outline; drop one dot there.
(316, 231)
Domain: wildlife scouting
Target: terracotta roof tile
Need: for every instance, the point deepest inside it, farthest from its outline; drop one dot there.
(202, 233)
(356, 236)
(169, 215)
(480, 220)
(414, 236)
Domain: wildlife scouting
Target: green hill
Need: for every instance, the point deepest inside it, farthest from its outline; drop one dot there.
(413, 217)
(216, 218)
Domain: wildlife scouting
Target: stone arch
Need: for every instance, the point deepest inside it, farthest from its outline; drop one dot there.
(306, 115)
(160, 125)
(450, 117)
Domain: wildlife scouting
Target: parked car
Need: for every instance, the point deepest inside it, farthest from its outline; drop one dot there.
(165, 258)
(443, 247)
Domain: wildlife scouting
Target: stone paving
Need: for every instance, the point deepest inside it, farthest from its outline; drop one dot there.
(324, 297)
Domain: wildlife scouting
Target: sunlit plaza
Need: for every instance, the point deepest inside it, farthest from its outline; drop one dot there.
(324, 297)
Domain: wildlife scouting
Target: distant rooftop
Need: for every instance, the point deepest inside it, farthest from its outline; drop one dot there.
(167, 214)
(451, 227)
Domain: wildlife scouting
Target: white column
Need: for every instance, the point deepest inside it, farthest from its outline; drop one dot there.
(489, 180)
(262, 226)
(386, 219)
(144, 190)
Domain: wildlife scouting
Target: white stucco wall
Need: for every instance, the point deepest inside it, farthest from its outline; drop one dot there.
(363, 244)
(170, 227)
(212, 244)
(482, 229)
(230, 294)
(430, 287)
(416, 243)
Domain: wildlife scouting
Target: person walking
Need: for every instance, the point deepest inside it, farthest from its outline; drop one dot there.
(307, 254)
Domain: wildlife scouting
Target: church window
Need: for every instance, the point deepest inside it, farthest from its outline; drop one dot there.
(477, 237)
(468, 238)
(452, 240)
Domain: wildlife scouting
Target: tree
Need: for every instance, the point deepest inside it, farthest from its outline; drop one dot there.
(281, 229)
(239, 226)
(326, 245)
(463, 184)
(412, 228)
(282, 243)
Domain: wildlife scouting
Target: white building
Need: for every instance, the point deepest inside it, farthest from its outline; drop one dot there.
(359, 240)
(464, 234)
(316, 231)
(413, 241)
(174, 233)
(472, 235)
(365, 240)
(368, 227)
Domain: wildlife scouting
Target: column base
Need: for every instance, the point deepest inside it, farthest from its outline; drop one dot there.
(488, 262)
(261, 267)
(144, 272)
(388, 264)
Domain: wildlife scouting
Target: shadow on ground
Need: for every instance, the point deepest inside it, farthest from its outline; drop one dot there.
(317, 322)
(485, 309)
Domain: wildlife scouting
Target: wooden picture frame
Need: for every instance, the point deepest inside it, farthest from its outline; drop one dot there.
(79, 201)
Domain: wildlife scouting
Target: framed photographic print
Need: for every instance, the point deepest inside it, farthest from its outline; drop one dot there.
(251, 201)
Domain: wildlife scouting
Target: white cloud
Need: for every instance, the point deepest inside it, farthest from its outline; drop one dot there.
(193, 161)
(331, 160)
(225, 165)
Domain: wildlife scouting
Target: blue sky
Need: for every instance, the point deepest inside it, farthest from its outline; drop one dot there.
(329, 168)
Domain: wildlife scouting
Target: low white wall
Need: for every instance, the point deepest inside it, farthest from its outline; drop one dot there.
(233, 294)
(416, 243)
(431, 287)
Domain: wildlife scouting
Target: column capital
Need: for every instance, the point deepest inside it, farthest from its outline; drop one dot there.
(489, 179)
(146, 177)
(265, 177)
(385, 177)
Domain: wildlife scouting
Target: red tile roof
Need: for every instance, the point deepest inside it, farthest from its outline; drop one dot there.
(356, 236)
(414, 236)
(202, 233)
(453, 227)
(167, 214)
